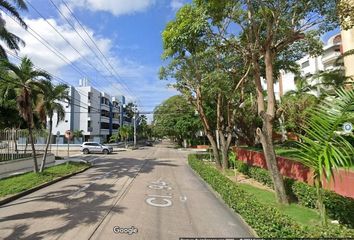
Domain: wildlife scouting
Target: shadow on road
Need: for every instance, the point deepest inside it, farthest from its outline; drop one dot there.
(86, 208)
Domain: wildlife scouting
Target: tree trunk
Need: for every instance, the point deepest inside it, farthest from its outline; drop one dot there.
(215, 150)
(35, 164)
(49, 139)
(267, 132)
(320, 204)
(225, 144)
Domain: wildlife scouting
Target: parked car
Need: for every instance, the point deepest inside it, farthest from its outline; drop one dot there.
(94, 147)
(149, 143)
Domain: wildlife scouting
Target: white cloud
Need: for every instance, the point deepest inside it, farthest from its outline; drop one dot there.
(115, 7)
(140, 79)
(176, 4)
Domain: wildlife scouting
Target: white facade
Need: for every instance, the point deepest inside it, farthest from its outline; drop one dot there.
(312, 65)
(95, 113)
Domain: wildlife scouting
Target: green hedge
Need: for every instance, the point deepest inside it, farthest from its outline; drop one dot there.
(338, 207)
(265, 220)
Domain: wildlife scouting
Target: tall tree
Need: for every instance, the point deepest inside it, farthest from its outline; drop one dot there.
(267, 29)
(49, 103)
(176, 118)
(11, 40)
(207, 72)
(24, 78)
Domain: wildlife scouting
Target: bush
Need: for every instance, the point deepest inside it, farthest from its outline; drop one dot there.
(265, 220)
(203, 156)
(261, 175)
(338, 207)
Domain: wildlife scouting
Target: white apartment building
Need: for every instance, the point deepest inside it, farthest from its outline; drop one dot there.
(311, 65)
(96, 113)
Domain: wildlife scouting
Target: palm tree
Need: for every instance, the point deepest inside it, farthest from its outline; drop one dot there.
(78, 134)
(49, 103)
(124, 132)
(11, 40)
(24, 78)
(322, 149)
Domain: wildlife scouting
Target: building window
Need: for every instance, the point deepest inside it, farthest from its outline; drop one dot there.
(305, 64)
(89, 96)
(105, 113)
(88, 123)
(89, 109)
(102, 100)
(104, 125)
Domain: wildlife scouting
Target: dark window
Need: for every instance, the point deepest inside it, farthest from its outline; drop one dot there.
(89, 96)
(104, 125)
(88, 123)
(102, 100)
(305, 64)
(89, 109)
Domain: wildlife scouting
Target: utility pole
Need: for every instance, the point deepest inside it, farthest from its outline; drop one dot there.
(134, 128)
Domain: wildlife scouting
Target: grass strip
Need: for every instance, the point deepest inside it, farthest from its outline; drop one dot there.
(20, 183)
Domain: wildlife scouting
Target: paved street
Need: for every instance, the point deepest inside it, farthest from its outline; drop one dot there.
(151, 193)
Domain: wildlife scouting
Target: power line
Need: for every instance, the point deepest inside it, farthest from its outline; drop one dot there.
(67, 41)
(93, 41)
(73, 27)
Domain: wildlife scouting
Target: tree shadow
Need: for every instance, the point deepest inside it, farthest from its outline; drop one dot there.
(74, 207)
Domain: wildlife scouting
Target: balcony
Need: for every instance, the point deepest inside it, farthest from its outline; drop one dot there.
(330, 58)
(104, 119)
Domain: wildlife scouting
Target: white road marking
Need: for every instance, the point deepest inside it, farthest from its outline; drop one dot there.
(183, 198)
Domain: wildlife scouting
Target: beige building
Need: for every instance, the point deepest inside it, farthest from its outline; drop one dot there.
(348, 44)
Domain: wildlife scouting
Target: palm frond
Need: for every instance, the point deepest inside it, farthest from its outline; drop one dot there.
(11, 9)
(322, 148)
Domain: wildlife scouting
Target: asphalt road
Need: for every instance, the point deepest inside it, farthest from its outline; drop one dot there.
(150, 193)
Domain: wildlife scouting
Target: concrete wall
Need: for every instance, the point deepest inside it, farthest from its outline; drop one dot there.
(343, 180)
(20, 165)
(348, 44)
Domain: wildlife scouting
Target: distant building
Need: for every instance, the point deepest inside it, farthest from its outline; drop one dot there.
(96, 113)
(311, 65)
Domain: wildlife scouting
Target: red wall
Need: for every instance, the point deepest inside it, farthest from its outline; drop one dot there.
(343, 183)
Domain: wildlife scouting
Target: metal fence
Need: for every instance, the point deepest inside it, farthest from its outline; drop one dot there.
(15, 144)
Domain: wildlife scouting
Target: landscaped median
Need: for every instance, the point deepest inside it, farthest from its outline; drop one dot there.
(266, 220)
(12, 186)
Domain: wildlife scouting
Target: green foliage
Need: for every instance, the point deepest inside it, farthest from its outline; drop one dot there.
(11, 40)
(78, 133)
(338, 207)
(296, 111)
(176, 118)
(321, 148)
(17, 184)
(267, 221)
(345, 9)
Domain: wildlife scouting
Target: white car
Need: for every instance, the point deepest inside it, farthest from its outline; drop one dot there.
(94, 147)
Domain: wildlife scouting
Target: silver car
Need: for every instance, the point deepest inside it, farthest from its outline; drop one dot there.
(94, 147)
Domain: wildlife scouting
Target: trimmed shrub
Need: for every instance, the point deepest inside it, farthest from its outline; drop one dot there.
(265, 220)
(261, 175)
(338, 207)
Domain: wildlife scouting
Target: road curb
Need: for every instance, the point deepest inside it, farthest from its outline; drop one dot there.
(217, 195)
(29, 191)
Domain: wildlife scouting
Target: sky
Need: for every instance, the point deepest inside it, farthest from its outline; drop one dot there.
(127, 34)
(117, 47)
